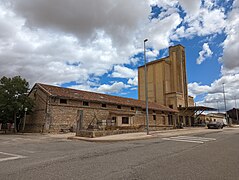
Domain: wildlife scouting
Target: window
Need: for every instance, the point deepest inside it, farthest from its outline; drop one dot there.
(113, 119)
(119, 106)
(85, 103)
(132, 108)
(103, 105)
(171, 106)
(153, 111)
(125, 120)
(170, 119)
(63, 101)
(154, 117)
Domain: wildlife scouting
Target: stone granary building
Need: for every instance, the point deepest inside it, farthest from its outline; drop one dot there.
(167, 85)
(59, 108)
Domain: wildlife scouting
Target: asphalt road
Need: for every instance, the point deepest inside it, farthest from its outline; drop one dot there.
(212, 154)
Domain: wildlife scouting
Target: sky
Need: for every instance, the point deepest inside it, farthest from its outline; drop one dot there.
(97, 45)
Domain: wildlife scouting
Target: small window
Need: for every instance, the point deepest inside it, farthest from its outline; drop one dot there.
(154, 117)
(132, 108)
(63, 101)
(171, 106)
(153, 111)
(125, 120)
(85, 103)
(119, 106)
(103, 105)
(114, 119)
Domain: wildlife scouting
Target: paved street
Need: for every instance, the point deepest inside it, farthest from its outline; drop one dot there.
(206, 154)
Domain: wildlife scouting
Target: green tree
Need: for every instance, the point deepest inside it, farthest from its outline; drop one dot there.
(14, 99)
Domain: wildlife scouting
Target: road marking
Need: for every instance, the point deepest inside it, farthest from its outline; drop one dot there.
(12, 157)
(182, 140)
(190, 139)
(195, 138)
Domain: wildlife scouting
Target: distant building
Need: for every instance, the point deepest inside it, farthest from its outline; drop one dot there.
(59, 108)
(215, 117)
(234, 115)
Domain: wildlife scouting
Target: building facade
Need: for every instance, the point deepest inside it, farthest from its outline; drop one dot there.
(233, 115)
(58, 108)
(167, 83)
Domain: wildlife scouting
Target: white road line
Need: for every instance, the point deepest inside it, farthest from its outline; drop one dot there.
(191, 139)
(194, 138)
(210, 139)
(183, 140)
(13, 157)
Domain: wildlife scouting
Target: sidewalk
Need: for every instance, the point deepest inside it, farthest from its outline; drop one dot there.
(140, 135)
(129, 136)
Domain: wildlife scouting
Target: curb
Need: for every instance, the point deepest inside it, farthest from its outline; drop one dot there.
(151, 136)
(109, 140)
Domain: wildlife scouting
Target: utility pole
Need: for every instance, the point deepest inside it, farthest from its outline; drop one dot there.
(235, 101)
(236, 108)
(237, 114)
(224, 97)
(225, 105)
(24, 121)
(146, 89)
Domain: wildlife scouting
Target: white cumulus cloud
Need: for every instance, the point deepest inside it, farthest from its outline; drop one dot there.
(41, 41)
(205, 53)
(115, 88)
(230, 57)
(133, 81)
(124, 72)
(213, 93)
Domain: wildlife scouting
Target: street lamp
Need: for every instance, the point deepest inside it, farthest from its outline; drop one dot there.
(225, 105)
(146, 89)
(236, 108)
(24, 121)
(217, 107)
(224, 97)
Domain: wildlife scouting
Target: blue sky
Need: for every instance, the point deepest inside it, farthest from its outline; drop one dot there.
(97, 45)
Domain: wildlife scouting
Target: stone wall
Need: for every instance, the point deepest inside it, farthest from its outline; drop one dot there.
(52, 115)
(36, 121)
(99, 133)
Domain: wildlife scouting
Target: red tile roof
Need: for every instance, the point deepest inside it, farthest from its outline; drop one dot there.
(98, 97)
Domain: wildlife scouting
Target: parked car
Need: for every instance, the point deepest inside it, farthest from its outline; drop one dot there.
(215, 125)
